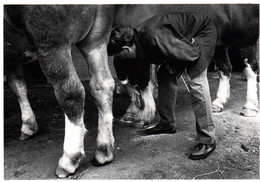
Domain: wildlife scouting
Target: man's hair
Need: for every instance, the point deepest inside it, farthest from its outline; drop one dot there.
(120, 36)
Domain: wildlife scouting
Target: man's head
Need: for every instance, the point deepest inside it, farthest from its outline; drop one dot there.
(121, 43)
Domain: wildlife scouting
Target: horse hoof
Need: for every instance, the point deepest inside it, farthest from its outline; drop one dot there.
(24, 136)
(61, 173)
(95, 163)
(127, 118)
(249, 113)
(216, 109)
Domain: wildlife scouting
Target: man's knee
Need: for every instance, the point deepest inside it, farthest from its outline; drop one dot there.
(198, 80)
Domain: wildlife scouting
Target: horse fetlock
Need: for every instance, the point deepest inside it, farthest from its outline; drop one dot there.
(30, 128)
(68, 164)
(104, 153)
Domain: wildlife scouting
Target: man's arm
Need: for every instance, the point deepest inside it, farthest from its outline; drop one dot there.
(171, 42)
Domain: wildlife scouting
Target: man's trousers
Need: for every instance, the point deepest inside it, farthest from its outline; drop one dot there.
(200, 101)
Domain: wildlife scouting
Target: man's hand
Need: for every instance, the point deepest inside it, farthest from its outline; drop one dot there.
(135, 95)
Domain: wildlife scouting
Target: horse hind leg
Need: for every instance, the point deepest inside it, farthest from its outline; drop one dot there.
(17, 84)
(57, 66)
(250, 108)
(223, 92)
(102, 86)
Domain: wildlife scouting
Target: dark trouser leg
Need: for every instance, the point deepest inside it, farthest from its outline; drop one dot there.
(201, 105)
(167, 94)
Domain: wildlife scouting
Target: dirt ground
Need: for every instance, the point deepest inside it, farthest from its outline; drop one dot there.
(162, 156)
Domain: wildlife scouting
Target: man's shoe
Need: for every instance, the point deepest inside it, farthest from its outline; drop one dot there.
(201, 151)
(159, 129)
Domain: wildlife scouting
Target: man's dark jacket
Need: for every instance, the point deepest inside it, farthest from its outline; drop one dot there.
(167, 39)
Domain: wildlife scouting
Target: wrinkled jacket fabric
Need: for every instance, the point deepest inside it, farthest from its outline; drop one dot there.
(167, 39)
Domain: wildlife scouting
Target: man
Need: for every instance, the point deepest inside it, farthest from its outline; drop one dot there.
(178, 42)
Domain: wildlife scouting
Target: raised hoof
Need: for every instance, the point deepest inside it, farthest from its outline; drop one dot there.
(23, 136)
(249, 113)
(216, 109)
(94, 162)
(61, 173)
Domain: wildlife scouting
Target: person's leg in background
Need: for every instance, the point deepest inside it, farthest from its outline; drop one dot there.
(201, 105)
(167, 94)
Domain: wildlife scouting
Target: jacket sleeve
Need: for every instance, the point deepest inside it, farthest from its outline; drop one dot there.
(172, 43)
(120, 68)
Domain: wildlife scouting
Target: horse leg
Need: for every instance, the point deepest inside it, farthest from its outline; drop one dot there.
(225, 68)
(140, 117)
(149, 94)
(15, 79)
(250, 108)
(102, 86)
(58, 68)
(148, 113)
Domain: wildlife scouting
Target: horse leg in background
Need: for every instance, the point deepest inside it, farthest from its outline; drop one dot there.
(149, 94)
(225, 68)
(15, 79)
(102, 86)
(148, 113)
(56, 64)
(250, 108)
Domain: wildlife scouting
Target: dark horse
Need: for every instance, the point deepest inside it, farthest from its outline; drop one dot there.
(51, 31)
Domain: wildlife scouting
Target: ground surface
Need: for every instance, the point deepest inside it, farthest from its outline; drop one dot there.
(135, 157)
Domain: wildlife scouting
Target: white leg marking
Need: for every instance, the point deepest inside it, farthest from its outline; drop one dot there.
(251, 95)
(73, 145)
(223, 93)
(74, 137)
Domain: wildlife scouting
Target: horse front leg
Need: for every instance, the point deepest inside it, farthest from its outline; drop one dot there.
(57, 66)
(102, 86)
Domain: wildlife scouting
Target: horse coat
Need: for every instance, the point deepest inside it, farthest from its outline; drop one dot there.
(51, 31)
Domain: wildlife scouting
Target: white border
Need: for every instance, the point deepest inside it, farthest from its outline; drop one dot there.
(90, 2)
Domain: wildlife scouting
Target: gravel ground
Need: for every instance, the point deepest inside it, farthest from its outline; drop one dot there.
(162, 156)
